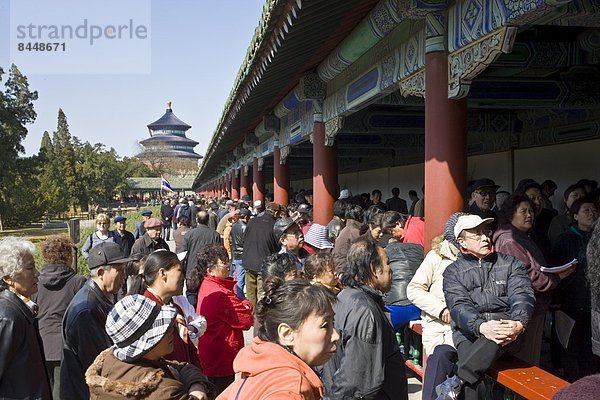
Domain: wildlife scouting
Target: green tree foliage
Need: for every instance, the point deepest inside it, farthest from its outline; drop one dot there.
(16, 110)
(80, 174)
(64, 161)
(48, 172)
(65, 174)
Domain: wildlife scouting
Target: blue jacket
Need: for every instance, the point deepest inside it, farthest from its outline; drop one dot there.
(84, 338)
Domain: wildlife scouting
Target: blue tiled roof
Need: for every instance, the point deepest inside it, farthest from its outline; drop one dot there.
(169, 120)
(169, 139)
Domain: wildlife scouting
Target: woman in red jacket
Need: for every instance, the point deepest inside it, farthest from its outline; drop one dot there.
(227, 316)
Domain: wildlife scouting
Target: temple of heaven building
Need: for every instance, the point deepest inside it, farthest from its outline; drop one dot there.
(168, 148)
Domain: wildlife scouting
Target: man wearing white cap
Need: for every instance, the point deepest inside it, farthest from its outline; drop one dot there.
(258, 208)
(490, 300)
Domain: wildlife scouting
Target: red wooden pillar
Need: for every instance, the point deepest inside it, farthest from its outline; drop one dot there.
(445, 147)
(281, 181)
(244, 182)
(258, 185)
(235, 184)
(324, 176)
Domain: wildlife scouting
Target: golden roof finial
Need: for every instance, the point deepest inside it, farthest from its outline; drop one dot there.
(168, 105)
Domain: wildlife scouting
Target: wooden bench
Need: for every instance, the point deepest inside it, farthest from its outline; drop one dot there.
(527, 380)
(531, 382)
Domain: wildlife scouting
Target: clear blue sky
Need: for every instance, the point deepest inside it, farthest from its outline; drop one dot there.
(197, 49)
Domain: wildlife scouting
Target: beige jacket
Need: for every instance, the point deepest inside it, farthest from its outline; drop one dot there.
(425, 290)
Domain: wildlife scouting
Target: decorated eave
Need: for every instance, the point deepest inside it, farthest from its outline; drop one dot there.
(292, 38)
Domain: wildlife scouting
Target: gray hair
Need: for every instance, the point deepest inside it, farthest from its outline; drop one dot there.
(12, 252)
(94, 271)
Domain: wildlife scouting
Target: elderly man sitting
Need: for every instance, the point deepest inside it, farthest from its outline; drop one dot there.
(490, 299)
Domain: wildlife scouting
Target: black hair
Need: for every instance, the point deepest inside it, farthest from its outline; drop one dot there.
(510, 205)
(316, 264)
(278, 265)
(355, 212)
(412, 192)
(290, 303)
(361, 257)
(526, 184)
(572, 188)
(376, 191)
(132, 267)
(549, 184)
(184, 220)
(207, 257)
(578, 203)
(389, 221)
(339, 208)
(160, 259)
(588, 182)
(375, 218)
(395, 191)
(356, 200)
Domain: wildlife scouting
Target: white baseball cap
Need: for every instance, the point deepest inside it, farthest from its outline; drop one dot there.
(469, 222)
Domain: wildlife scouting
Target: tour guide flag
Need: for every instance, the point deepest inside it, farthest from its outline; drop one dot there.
(165, 185)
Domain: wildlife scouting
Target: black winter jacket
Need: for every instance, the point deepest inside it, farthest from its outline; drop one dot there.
(367, 363)
(84, 337)
(404, 259)
(477, 291)
(259, 242)
(22, 365)
(236, 240)
(126, 241)
(58, 286)
(573, 293)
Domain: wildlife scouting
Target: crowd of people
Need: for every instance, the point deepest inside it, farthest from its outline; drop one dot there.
(325, 303)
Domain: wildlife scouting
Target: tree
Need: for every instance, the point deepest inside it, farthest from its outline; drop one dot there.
(16, 110)
(49, 178)
(64, 161)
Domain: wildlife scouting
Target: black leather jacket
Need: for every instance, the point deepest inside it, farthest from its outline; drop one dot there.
(236, 239)
(22, 364)
(477, 291)
(404, 259)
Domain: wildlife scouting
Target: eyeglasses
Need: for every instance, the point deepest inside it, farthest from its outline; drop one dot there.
(479, 235)
(101, 223)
